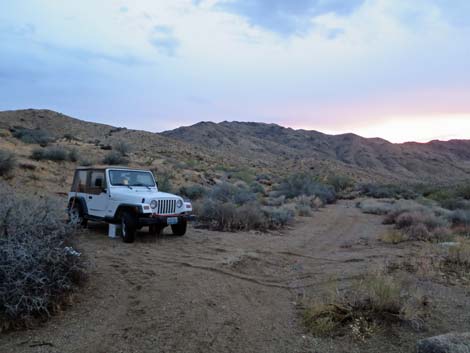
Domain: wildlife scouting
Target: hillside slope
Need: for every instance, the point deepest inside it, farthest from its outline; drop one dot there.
(435, 161)
(207, 151)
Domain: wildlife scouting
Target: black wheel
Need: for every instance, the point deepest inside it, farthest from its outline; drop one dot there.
(155, 229)
(76, 216)
(180, 228)
(128, 227)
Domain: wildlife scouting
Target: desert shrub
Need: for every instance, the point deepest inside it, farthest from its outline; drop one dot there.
(387, 191)
(460, 218)
(32, 136)
(340, 183)
(278, 217)
(38, 265)
(122, 148)
(7, 162)
(371, 206)
(193, 192)
(56, 154)
(164, 181)
(115, 158)
(257, 188)
(85, 162)
(372, 302)
(304, 184)
(229, 207)
(237, 195)
(73, 155)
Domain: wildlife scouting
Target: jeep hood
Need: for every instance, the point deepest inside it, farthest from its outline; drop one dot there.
(139, 193)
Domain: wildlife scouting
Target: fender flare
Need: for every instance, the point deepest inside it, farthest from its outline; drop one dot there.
(81, 201)
(135, 207)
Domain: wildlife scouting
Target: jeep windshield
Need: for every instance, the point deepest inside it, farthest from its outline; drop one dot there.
(131, 178)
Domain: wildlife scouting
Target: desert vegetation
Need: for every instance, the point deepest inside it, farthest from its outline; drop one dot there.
(55, 153)
(39, 266)
(7, 163)
(372, 303)
(32, 136)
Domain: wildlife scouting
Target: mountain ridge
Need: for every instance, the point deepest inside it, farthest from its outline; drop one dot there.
(268, 147)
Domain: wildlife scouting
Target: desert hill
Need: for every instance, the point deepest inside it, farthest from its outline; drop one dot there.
(206, 152)
(436, 160)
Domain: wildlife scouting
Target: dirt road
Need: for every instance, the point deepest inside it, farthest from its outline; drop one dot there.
(209, 291)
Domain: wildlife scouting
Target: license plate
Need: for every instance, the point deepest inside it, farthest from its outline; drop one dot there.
(172, 220)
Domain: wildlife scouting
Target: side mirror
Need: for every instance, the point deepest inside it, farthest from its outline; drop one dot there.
(99, 183)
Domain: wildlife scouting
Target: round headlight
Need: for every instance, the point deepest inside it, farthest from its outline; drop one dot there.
(153, 204)
(179, 203)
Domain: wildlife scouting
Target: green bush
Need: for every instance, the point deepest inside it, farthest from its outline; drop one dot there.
(32, 136)
(7, 162)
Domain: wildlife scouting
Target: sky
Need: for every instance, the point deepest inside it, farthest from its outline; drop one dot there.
(396, 69)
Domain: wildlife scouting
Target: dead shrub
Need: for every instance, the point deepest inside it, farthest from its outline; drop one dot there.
(38, 265)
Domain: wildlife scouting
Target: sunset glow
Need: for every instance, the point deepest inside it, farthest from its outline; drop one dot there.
(416, 128)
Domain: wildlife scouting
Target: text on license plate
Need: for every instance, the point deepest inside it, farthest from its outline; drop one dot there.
(172, 220)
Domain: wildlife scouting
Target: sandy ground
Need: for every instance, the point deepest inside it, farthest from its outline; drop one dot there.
(216, 292)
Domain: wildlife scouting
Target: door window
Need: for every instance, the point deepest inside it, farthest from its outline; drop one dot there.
(96, 182)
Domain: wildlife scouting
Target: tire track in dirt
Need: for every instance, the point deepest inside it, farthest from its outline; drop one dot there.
(208, 291)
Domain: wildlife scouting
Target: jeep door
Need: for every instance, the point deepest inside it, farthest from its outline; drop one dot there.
(97, 196)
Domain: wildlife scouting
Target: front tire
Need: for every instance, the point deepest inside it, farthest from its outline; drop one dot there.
(180, 228)
(128, 228)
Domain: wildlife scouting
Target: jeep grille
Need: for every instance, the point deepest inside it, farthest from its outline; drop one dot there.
(166, 207)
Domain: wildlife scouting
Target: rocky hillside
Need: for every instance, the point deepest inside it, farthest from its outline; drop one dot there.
(348, 153)
(206, 152)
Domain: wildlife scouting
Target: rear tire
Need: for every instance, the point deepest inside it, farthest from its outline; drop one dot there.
(77, 216)
(180, 228)
(128, 228)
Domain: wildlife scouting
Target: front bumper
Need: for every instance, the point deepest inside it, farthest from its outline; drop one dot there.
(163, 220)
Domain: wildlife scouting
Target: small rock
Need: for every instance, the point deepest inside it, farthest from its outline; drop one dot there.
(450, 343)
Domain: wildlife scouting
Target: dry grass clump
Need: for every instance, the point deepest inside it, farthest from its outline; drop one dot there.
(458, 257)
(371, 303)
(393, 237)
(38, 266)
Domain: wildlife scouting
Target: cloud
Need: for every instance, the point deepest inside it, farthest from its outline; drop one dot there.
(287, 17)
(163, 39)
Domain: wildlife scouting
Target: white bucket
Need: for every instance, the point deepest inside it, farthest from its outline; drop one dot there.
(112, 231)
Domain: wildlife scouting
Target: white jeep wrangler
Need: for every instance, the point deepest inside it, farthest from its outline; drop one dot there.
(128, 197)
